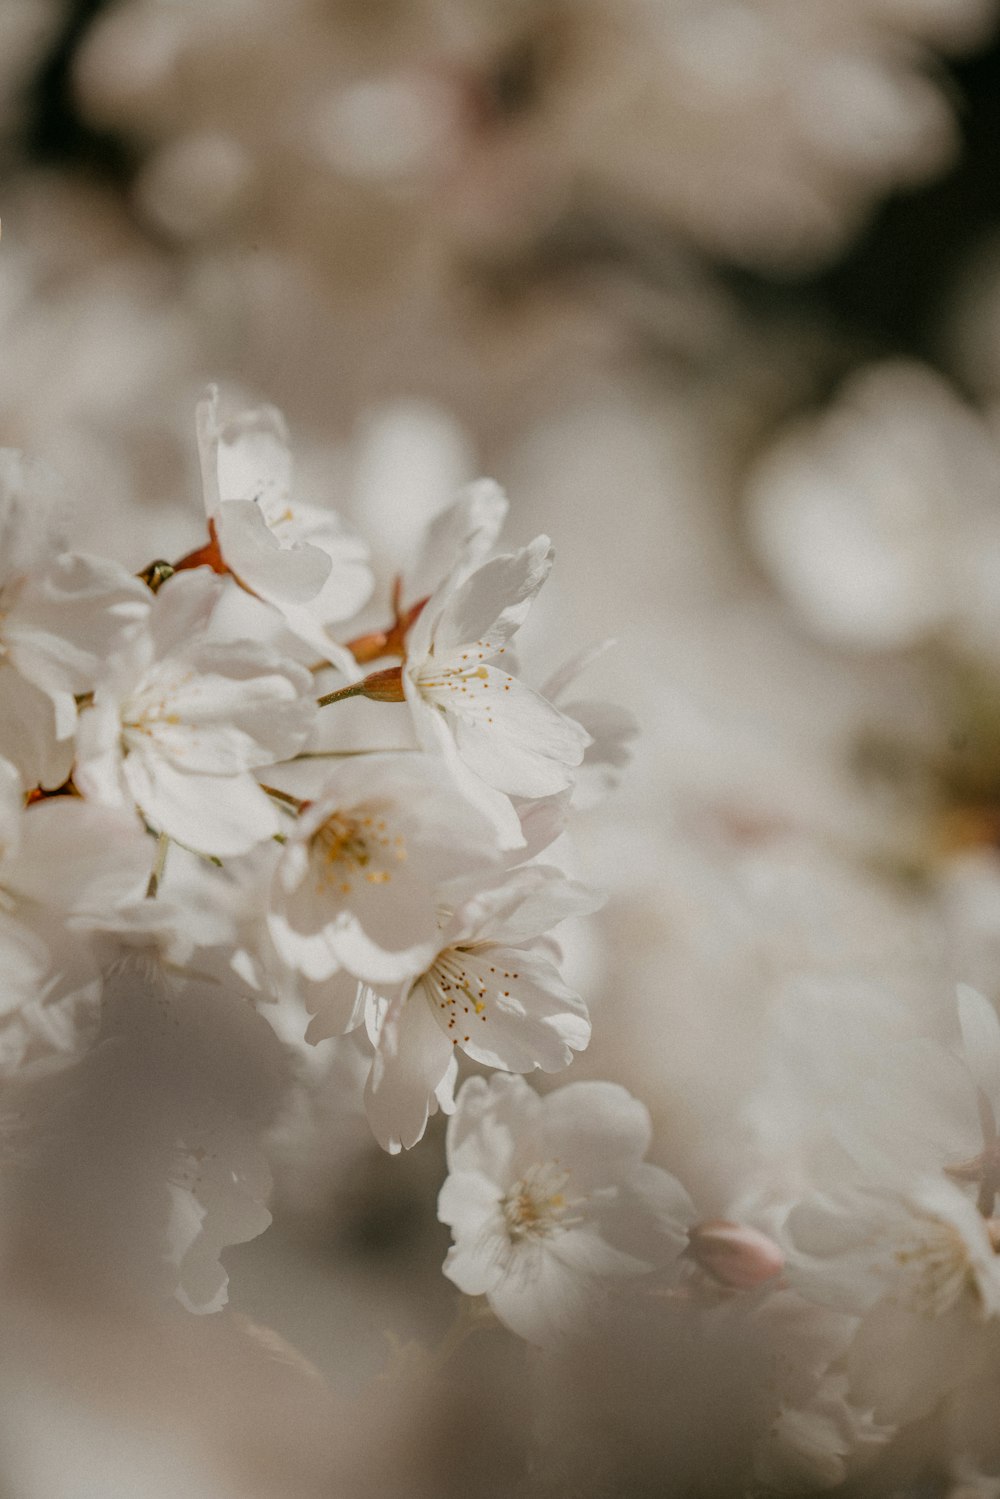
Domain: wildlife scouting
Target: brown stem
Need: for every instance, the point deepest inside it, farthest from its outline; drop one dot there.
(392, 640)
(295, 802)
(209, 555)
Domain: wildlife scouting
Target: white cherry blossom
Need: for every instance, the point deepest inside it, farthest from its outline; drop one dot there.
(548, 1199)
(179, 722)
(498, 736)
(297, 556)
(60, 616)
(452, 544)
(63, 866)
(935, 1107)
(492, 991)
(356, 886)
(923, 1247)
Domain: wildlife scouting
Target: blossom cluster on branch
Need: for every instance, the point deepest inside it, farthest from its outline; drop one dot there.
(192, 848)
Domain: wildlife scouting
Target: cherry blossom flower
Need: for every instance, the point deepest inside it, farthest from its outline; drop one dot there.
(64, 865)
(451, 545)
(550, 1198)
(492, 991)
(498, 737)
(356, 886)
(935, 1110)
(296, 556)
(180, 721)
(923, 1246)
(60, 616)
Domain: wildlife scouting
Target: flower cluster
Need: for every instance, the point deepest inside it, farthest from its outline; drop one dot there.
(300, 815)
(198, 840)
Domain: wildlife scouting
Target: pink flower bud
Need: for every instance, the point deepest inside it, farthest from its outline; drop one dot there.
(734, 1254)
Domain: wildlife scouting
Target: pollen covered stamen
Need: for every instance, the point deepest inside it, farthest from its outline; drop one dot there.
(349, 847)
(938, 1268)
(537, 1205)
(469, 692)
(459, 990)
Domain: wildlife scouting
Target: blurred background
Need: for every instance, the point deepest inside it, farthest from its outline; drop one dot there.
(712, 287)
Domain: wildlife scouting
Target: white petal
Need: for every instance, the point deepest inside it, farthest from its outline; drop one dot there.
(207, 426)
(412, 1058)
(526, 903)
(183, 607)
(597, 1130)
(224, 709)
(436, 737)
(612, 730)
(490, 606)
(469, 1203)
(458, 538)
(82, 857)
(490, 1117)
(28, 732)
(215, 815)
(337, 1006)
(510, 736)
(539, 1298)
(253, 460)
(507, 1008)
(290, 574)
(69, 619)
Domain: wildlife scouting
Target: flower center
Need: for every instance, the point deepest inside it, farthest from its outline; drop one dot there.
(356, 847)
(154, 706)
(536, 1206)
(939, 1268)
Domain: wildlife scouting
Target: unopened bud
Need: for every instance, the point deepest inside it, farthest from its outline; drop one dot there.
(381, 686)
(734, 1254)
(384, 686)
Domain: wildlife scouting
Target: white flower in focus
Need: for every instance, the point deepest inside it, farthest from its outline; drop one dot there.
(499, 738)
(295, 556)
(356, 886)
(492, 991)
(179, 722)
(550, 1198)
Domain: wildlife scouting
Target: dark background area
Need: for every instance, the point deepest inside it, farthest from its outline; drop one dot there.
(883, 295)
